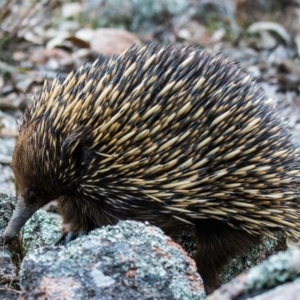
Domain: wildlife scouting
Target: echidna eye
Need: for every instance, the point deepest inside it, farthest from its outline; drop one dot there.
(31, 196)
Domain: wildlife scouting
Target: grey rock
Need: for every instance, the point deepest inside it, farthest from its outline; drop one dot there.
(130, 260)
(275, 278)
(285, 291)
(8, 271)
(40, 230)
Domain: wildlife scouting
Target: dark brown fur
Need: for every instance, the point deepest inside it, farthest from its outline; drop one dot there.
(212, 236)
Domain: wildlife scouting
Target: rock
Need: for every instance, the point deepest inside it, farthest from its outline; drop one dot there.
(110, 41)
(40, 230)
(276, 278)
(265, 29)
(130, 260)
(8, 271)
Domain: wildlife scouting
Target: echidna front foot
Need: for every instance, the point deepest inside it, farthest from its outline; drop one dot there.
(69, 233)
(67, 237)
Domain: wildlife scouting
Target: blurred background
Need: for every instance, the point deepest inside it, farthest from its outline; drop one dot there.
(39, 38)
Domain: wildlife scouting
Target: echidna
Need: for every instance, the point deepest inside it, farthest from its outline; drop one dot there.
(169, 135)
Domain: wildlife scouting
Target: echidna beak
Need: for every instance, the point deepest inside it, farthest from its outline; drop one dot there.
(19, 217)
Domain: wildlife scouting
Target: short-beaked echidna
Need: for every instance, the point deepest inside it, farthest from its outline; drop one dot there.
(163, 134)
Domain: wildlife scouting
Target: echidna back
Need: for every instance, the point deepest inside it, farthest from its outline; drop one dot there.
(178, 128)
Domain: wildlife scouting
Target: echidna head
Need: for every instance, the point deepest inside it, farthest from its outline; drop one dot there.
(34, 187)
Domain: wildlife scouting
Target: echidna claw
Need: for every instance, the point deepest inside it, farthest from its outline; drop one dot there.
(60, 240)
(66, 238)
